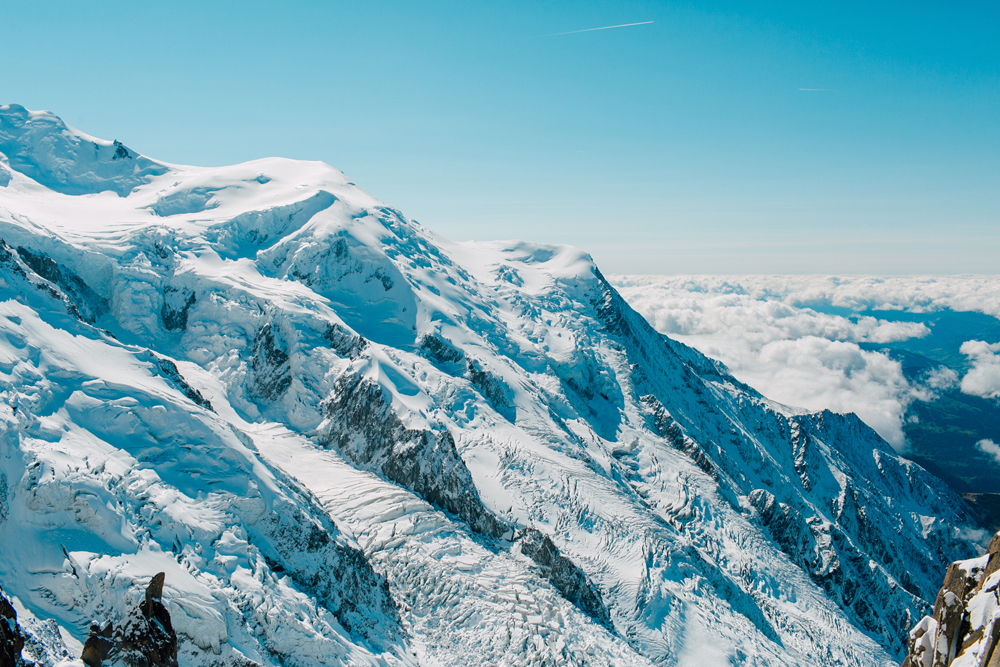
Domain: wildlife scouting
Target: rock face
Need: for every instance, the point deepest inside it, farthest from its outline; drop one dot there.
(11, 641)
(964, 628)
(568, 579)
(145, 639)
(28, 641)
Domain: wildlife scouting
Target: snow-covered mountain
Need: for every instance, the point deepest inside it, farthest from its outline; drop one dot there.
(347, 440)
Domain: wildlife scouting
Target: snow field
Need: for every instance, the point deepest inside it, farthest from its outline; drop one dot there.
(715, 526)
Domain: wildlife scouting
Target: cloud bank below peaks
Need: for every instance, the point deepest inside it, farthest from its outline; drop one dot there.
(983, 379)
(771, 333)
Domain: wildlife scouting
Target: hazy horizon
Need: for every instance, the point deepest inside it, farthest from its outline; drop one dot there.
(661, 138)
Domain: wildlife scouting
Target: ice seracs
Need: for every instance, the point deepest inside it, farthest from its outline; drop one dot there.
(347, 440)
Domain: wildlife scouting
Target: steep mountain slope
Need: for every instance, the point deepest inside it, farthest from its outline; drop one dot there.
(350, 441)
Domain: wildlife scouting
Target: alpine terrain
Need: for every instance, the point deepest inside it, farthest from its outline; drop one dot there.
(344, 439)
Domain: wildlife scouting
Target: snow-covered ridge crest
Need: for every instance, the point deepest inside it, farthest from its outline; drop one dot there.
(484, 432)
(40, 145)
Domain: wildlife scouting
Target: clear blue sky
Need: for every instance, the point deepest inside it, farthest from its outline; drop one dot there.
(685, 145)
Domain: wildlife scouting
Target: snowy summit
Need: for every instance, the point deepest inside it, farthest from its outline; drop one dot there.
(347, 440)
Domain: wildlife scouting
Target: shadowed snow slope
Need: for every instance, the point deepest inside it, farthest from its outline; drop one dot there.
(347, 440)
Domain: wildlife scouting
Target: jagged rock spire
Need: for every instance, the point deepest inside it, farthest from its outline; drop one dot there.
(11, 641)
(145, 639)
(965, 625)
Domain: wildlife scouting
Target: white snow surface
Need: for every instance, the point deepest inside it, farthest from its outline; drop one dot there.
(178, 347)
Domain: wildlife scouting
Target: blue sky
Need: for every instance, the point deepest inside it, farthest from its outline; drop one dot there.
(685, 145)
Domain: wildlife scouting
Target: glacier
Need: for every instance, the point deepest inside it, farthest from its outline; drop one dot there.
(347, 440)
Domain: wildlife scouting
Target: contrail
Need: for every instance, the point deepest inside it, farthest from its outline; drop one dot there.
(607, 27)
(818, 90)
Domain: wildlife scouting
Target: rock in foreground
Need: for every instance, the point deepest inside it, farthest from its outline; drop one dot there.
(965, 625)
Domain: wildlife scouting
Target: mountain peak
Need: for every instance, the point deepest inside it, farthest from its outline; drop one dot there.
(301, 405)
(41, 146)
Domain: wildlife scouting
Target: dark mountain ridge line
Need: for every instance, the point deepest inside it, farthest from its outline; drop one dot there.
(790, 525)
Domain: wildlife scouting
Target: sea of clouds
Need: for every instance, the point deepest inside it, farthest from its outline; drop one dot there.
(771, 333)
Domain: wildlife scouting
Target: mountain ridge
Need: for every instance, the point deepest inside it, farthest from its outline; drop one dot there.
(555, 467)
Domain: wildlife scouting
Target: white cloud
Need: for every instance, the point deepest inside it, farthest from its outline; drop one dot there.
(980, 294)
(983, 379)
(765, 329)
(989, 447)
(941, 378)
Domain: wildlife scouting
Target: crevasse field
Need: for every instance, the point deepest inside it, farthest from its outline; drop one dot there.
(350, 441)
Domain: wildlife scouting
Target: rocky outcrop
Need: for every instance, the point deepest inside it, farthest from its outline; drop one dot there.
(29, 641)
(565, 575)
(440, 350)
(493, 389)
(177, 304)
(271, 374)
(146, 638)
(11, 640)
(88, 303)
(964, 628)
(363, 427)
(169, 370)
(344, 342)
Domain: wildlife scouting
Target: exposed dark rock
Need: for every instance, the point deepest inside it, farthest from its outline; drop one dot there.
(98, 646)
(169, 369)
(176, 305)
(784, 524)
(121, 152)
(11, 640)
(271, 373)
(88, 302)
(509, 274)
(145, 638)
(239, 660)
(29, 642)
(380, 275)
(564, 574)
(440, 350)
(493, 389)
(670, 430)
(362, 425)
(953, 630)
(343, 342)
(4, 508)
(13, 262)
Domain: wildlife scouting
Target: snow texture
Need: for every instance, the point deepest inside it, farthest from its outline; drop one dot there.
(347, 440)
